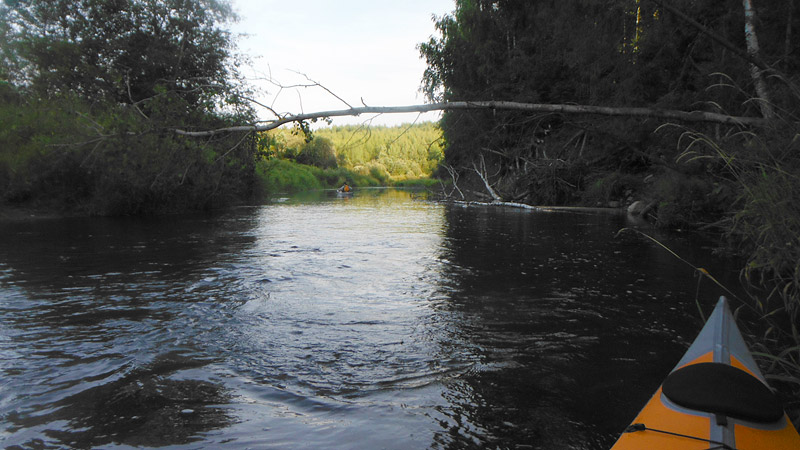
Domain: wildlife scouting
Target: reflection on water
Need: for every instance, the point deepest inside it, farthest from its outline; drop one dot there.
(379, 320)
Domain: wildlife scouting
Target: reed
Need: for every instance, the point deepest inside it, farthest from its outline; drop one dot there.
(763, 225)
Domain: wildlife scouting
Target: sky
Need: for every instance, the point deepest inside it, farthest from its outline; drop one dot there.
(358, 49)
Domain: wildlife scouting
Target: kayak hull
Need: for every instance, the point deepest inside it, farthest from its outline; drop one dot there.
(663, 423)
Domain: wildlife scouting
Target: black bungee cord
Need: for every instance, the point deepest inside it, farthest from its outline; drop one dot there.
(642, 427)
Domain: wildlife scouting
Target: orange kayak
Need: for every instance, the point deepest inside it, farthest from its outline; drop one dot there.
(714, 398)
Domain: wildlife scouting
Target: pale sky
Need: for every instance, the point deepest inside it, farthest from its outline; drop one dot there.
(355, 48)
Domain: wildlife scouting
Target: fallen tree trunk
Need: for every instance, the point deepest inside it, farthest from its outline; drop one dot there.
(652, 113)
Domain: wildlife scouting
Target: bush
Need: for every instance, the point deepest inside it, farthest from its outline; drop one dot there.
(612, 186)
(689, 200)
(105, 160)
(318, 152)
(378, 171)
(278, 175)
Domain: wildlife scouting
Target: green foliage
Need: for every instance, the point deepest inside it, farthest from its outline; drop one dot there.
(418, 182)
(318, 152)
(278, 175)
(761, 172)
(686, 200)
(376, 170)
(388, 154)
(614, 53)
(336, 177)
(123, 51)
(106, 160)
(281, 175)
(373, 156)
(405, 151)
(633, 53)
(90, 91)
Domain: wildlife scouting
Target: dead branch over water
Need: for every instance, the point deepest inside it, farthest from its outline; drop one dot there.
(650, 113)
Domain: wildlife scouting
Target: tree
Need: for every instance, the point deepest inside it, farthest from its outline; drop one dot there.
(619, 53)
(100, 82)
(124, 51)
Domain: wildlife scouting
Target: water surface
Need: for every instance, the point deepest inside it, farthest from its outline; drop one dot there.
(379, 320)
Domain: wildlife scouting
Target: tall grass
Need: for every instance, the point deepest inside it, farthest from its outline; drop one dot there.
(763, 225)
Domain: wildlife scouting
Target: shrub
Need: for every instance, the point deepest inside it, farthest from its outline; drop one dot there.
(318, 152)
(277, 175)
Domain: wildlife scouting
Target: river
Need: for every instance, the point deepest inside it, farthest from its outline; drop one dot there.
(378, 320)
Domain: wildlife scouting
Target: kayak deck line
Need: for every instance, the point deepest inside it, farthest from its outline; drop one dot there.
(716, 395)
(632, 428)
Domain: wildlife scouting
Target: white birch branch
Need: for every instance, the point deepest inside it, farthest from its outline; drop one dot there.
(651, 113)
(482, 173)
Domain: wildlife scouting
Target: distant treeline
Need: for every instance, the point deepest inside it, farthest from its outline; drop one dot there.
(371, 155)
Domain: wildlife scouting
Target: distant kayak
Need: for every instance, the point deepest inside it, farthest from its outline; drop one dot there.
(341, 191)
(716, 397)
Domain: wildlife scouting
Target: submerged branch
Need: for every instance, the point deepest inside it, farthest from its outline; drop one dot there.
(482, 174)
(652, 113)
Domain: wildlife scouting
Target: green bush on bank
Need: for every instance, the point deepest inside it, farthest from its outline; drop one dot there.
(106, 159)
(280, 175)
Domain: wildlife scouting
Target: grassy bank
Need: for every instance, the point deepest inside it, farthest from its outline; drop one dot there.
(294, 159)
(280, 175)
(761, 222)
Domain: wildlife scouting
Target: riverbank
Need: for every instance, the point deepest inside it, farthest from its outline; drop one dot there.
(17, 213)
(282, 175)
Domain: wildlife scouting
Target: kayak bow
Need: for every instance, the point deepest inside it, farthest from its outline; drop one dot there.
(715, 397)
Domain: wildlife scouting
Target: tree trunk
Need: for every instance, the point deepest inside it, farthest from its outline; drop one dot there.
(787, 46)
(650, 113)
(752, 49)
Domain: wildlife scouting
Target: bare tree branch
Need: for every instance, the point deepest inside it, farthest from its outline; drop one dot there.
(268, 108)
(316, 84)
(484, 177)
(454, 176)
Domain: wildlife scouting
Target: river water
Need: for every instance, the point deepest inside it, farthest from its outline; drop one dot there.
(379, 320)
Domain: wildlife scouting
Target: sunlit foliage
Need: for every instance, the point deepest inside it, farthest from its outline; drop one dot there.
(387, 154)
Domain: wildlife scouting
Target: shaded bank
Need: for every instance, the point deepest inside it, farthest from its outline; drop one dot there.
(736, 182)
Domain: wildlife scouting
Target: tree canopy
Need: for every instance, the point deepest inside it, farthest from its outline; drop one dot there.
(611, 53)
(121, 50)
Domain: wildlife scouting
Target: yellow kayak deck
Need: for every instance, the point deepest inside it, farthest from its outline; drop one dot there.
(729, 407)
